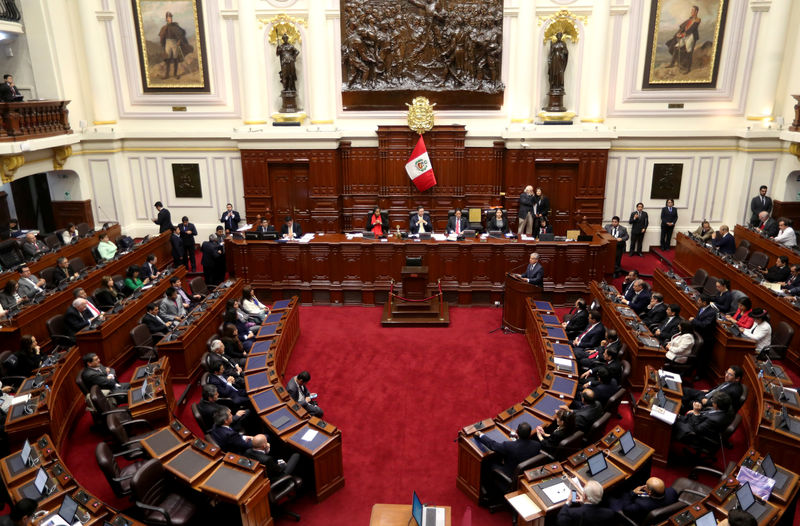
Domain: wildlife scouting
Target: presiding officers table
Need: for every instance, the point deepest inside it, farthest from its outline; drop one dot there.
(398, 515)
(332, 269)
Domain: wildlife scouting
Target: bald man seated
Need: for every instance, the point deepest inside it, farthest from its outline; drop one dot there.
(636, 504)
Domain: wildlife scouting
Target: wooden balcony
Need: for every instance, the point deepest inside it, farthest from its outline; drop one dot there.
(22, 121)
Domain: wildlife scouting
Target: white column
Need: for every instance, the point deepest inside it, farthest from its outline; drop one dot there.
(771, 40)
(250, 52)
(522, 75)
(98, 62)
(320, 79)
(593, 93)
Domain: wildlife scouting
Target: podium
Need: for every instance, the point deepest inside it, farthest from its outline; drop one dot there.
(413, 307)
(515, 293)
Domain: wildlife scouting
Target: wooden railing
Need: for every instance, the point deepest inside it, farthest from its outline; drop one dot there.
(29, 120)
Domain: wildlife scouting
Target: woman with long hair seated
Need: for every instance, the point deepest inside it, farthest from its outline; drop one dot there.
(680, 346)
(239, 320)
(132, 281)
(107, 295)
(742, 314)
(255, 310)
(375, 223)
(543, 227)
(552, 435)
(233, 346)
(497, 222)
(28, 357)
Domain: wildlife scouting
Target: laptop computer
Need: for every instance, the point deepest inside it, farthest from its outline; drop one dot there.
(747, 501)
(793, 426)
(66, 514)
(597, 463)
(769, 469)
(43, 484)
(426, 515)
(626, 443)
(707, 519)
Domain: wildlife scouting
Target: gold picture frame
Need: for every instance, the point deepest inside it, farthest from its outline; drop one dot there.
(171, 45)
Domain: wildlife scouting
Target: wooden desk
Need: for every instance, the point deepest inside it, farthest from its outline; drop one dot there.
(398, 515)
(639, 355)
(187, 349)
(471, 454)
(331, 269)
(325, 451)
(689, 256)
(248, 490)
(111, 341)
(652, 431)
(728, 349)
(762, 244)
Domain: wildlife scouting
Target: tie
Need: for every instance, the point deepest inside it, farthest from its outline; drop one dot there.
(762, 225)
(762, 200)
(95, 312)
(670, 210)
(615, 233)
(580, 338)
(458, 226)
(700, 312)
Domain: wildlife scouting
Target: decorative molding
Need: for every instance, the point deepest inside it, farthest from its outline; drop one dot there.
(60, 156)
(9, 164)
(105, 16)
(760, 5)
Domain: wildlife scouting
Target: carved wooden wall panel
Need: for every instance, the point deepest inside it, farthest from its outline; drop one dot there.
(334, 190)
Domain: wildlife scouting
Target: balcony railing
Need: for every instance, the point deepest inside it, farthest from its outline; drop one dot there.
(30, 120)
(9, 11)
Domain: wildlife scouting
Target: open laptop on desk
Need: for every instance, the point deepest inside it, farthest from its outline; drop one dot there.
(747, 502)
(426, 515)
(769, 469)
(66, 516)
(664, 403)
(788, 423)
(707, 519)
(43, 486)
(598, 468)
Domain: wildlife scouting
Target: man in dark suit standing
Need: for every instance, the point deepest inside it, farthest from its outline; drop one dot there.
(636, 504)
(527, 219)
(290, 229)
(587, 510)
(230, 219)
(620, 233)
(8, 91)
(668, 328)
(211, 251)
(188, 231)
(163, 220)
(669, 216)
(760, 203)
(456, 224)
(534, 273)
(706, 318)
(420, 222)
(178, 251)
(639, 223)
(519, 449)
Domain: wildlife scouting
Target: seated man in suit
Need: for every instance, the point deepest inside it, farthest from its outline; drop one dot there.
(457, 223)
(587, 509)
(590, 338)
(420, 222)
(641, 297)
(29, 285)
(731, 385)
(208, 406)
(767, 225)
(77, 317)
(299, 393)
(656, 311)
(171, 307)
(265, 227)
(520, 448)
(627, 284)
(185, 297)
(497, 222)
(63, 272)
(224, 385)
(723, 241)
(150, 268)
(157, 326)
(606, 355)
(8, 91)
(232, 369)
(94, 373)
(636, 504)
(578, 321)
(32, 247)
(534, 274)
(668, 328)
(290, 229)
(703, 425)
(587, 410)
(92, 311)
(779, 272)
(601, 383)
(256, 447)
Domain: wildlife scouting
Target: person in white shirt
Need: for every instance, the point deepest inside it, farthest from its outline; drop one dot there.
(70, 234)
(255, 310)
(106, 248)
(680, 346)
(785, 235)
(761, 331)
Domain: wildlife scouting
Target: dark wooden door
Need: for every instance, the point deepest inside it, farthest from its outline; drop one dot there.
(289, 184)
(558, 182)
(32, 202)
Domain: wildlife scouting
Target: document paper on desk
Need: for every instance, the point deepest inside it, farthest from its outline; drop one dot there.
(663, 415)
(557, 493)
(524, 505)
(562, 362)
(672, 376)
(309, 435)
(21, 399)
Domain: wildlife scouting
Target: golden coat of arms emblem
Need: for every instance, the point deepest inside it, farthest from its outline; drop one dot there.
(420, 115)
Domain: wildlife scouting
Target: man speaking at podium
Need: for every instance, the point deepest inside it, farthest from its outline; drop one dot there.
(534, 273)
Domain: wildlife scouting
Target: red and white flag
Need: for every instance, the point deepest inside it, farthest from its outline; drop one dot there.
(419, 167)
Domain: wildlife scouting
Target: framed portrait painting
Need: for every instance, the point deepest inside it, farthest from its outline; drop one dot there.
(171, 42)
(684, 42)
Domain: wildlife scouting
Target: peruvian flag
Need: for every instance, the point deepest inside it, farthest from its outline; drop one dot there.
(419, 167)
